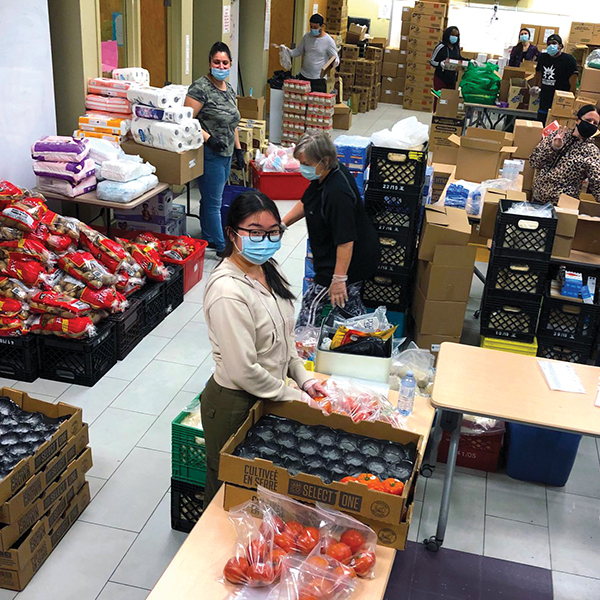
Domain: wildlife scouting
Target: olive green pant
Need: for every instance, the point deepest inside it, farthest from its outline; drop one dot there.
(223, 411)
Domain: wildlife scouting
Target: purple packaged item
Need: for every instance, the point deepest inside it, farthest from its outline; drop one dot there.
(60, 148)
(51, 185)
(72, 172)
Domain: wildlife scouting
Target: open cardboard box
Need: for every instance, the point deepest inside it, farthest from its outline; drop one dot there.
(353, 498)
(355, 33)
(490, 209)
(29, 466)
(443, 226)
(588, 224)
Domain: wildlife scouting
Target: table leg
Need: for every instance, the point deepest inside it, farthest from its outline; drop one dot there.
(189, 201)
(450, 421)
(435, 437)
(107, 220)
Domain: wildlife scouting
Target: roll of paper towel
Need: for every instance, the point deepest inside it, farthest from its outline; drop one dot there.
(167, 97)
(175, 137)
(136, 74)
(172, 115)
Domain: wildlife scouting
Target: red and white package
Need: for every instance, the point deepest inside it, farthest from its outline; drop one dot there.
(106, 298)
(110, 253)
(148, 258)
(147, 239)
(13, 327)
(28, 249)
(24, 214)
(13, 288)
(58, 304)
(60, 225)
(10, 307)
(29, 272)
(8, 234)
(179, 249)
(83, 266)
(10, 192)
(76, 328)
(551, 128)
(59, 243)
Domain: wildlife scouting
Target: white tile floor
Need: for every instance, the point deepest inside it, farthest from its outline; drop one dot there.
(123, 541)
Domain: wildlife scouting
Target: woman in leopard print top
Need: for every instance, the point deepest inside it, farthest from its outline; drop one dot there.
(566, 158)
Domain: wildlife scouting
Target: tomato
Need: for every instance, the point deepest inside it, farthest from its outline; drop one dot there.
(261, 573)
(344, 571)
(393, 486)
(354, 539)
(318, 561)
(348, 478)
(286, 541)
(294, 528)
(278, 554)
(363, 563)
(340, 551)
(257, 550)
(303, 596)
(236, 570)
(324, 403)
(318, 588)
(274, 523)
(376, 485)
(364, 478)
(308, 540)
(326, 543)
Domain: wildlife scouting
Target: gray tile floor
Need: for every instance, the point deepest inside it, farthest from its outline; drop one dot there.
(123, 542)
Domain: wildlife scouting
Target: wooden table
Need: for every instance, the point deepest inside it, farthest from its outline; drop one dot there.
(193, 573)
(490, 116)
(488, 383)
(106, 205)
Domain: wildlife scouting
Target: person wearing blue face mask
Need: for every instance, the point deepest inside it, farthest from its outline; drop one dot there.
(343, 240)
(555, 70)
(524, 50)
(316, 49)
(249, 311)
(214, 102)
(448, 48)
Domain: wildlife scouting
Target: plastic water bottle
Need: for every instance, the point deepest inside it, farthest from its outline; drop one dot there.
(406, 397)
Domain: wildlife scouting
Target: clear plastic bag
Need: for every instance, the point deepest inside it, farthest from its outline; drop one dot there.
(530, 209)
(472, 425)
(593, 60)
(307, 338)
(420, 362)
(285, 58)
(407, 134)
(193, 418)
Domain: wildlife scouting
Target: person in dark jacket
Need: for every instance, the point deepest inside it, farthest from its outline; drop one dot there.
(449, 47)
(524, 50)
(343, 240)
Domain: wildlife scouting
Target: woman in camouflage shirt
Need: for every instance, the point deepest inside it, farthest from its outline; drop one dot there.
(214, 102)
(566, 158)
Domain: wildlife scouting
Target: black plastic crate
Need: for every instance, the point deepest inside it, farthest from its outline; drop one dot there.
(20, 357)
(568, 320)
(187, 501)
(393, 291)
(396, 253)
(393, 212)
(129, 327)
(514, 280)
(521, 236)
(394, 170)
(514, 321)
(174, 288)
(563, 350)
(83, 362)
(153, 299)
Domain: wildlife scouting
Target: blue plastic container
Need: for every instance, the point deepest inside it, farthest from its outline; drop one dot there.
(541, 455)
(229, 194)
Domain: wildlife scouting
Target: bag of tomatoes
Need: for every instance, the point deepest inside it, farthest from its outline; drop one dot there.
(348, 541)
(315, 577)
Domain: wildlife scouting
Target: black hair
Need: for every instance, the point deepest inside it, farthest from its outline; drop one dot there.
(317, 18)
(584, 110)
(219, 47)
(243, 206)
(446, 36)
(556, 38)
(519, 46)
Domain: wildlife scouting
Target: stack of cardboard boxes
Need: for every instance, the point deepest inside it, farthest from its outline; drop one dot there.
(366, 81)
(347, 72)
(393, 76)
(562, 109)
(448, 120)
(526, 136)
(295, 101)
(540, 34)
(337, 17)
(589, 88)
(44, 494)
(584, 33)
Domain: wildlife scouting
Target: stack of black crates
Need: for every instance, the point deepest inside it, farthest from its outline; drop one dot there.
(393, 200)
(517, 277)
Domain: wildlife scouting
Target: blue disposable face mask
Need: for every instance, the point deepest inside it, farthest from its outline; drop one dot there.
(220, 74)
(309, 172)
(315, 32)
(453, 39)
(553, 49)
(258, 253)
(524, 38)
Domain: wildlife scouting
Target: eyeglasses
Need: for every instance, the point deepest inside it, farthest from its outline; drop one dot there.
(258, 236)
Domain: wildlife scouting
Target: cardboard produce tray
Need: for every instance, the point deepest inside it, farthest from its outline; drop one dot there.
(31, 465)
(353, 498)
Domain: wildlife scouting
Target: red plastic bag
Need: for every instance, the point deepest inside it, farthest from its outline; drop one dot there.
(13, 327)
(60, 225)
(10, 307)
(28, 248)
(9, 234)
(75, 328)
(29, 272)
(58, 304)
(10, 192)
(83, 266)
(13, 288)
(148, 258)
(105, 298)
(24, 214)
(110, 253)
(179, 249)
(147, 239)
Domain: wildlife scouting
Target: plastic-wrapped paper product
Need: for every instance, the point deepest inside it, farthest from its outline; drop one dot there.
(83, 135)
(136, 74)
(115, 191)
(103, 86)
(407, 134)
(49, 185)
(171, 115)
(100, 123)
(73, 172)
(174, 137)
(124, 169)
(107, 104)
(59, 148)
(167, 97)
(101, 150)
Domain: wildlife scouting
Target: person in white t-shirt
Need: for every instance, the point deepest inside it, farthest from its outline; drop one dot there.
(316, 49)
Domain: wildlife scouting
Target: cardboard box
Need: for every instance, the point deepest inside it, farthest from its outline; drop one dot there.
(389, 69)
(392, 83)
(418, 104)
(347, 66)
(448, 104)
(586, 234)
(403, 42)
(352, 498)
(442, 128)
(567, 212)
(535, 33)
(528, 177)
(355, 33)
(432, 342)
(529, 67)
(251, 108)
(391, 55)
(418, 56)
(590, 80)
(419, 69)
(173, 168)
(431, 8)
(407, 12)
(364, 66)
(490, 209)
(562, 246)
(434, 21)
(417, 32)
(448, 277)
(374, 53)
(158, 209)
(545, 32)
(443, 226)
(342, 117)
(401, 72)
(562, 105)
(596, 35)
(481, 152)
(435, 317)
(403, 57)
(349, 52)
(18, 579)
(419, 80)
(24, 472)
(518, 94)
(380, 42)
(365, 80)
(405, 28)
(527, 135)
(391, 96)
(581, 33)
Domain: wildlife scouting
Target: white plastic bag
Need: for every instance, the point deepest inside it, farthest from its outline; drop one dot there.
(285, 58)
(126, 169)
(407, 134)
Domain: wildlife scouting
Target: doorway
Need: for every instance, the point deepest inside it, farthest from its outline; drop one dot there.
(154, 40)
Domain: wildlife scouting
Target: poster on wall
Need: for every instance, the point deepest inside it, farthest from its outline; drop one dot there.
(267, 24)
(226, 18)
(385, 9)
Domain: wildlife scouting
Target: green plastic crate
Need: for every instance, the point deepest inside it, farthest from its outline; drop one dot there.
(188, 453)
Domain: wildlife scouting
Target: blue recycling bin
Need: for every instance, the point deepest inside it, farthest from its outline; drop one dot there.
(540, 455)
